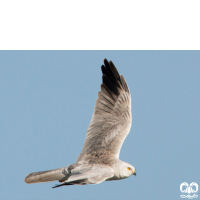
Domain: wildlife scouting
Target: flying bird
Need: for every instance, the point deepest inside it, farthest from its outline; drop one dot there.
(111, 122)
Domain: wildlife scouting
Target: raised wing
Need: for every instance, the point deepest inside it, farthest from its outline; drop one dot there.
(111, 121)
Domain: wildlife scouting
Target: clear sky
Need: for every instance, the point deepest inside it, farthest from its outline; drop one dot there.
(47, 101)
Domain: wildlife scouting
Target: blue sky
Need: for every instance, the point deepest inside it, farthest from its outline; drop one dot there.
(47, 101)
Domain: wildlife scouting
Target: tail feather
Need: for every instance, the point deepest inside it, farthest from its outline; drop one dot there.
(45, 176)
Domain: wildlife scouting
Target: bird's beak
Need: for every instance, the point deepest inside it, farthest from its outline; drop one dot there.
(134, 172)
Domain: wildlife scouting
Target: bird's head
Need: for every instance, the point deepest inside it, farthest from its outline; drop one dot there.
(126, 170)
(130, 170)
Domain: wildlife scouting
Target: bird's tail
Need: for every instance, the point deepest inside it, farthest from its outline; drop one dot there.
(45, 176)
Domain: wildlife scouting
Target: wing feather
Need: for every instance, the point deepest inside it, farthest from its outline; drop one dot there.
(111, 121)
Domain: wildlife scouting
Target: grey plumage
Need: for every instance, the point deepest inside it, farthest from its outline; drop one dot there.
(110, 124)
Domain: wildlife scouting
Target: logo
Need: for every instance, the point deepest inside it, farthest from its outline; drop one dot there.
(190, 189)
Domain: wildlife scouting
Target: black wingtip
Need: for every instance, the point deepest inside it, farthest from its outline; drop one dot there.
(111, 72)
(64, 184)
(58, 185)
(111, 68)
(106, 62)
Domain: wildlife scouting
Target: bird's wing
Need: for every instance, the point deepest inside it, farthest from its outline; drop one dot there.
(111, 121)
(88, 174)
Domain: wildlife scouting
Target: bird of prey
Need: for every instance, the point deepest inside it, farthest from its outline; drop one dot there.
(111, 122)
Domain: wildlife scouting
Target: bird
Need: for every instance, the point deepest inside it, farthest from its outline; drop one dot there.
(111, 123)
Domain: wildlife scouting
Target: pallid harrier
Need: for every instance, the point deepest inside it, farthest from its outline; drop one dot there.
(110, 124)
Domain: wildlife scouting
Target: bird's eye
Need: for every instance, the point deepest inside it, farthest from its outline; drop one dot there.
(128, 168)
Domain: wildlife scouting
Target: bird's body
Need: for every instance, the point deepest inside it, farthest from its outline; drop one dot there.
(110, 124)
